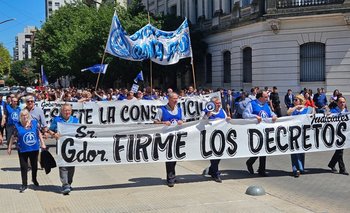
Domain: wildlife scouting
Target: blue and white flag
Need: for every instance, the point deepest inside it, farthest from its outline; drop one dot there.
(139, 77)
(44, 80)
(162, 47)
(97, 68)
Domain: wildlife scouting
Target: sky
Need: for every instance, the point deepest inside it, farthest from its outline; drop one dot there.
(26, 13)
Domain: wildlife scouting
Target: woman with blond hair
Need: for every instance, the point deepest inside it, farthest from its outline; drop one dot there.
(29, 140)
(299, 109)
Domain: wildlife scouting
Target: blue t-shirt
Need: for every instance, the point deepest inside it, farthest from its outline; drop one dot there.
(57, 119)
(337, 110)
(28, 139)
(167, 116)
(306, 110)
(12, 114)
(261, 110)
(220, 114)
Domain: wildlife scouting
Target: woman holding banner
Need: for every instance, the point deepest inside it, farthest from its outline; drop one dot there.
(29, 140)
(213, 113)
(299, 108)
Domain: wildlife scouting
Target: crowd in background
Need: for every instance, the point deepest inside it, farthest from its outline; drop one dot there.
(233, 102)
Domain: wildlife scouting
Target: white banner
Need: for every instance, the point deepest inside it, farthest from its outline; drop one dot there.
(126, 111)
(82, 145)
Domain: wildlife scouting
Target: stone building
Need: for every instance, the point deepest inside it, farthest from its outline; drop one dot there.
(284, 43)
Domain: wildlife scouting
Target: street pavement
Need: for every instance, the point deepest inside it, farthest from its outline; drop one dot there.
(142, 188)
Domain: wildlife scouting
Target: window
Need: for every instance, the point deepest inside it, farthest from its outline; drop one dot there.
(227, 67)
(209, 73)
(312, 62)
(247, 65)
(172, 10)
(57, 4)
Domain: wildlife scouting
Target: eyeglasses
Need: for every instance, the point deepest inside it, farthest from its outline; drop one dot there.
(296, 99)
(30, 101)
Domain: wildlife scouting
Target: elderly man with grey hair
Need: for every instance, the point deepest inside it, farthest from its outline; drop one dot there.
(37, 114)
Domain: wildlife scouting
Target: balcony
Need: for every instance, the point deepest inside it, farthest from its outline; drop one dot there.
(305, 3)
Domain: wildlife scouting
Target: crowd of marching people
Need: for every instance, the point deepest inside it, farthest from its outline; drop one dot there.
(20, 117)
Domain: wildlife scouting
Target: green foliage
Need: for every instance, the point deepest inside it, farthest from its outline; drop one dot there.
(5, 60)
(10, 81)
(74, 37)
(23, 72)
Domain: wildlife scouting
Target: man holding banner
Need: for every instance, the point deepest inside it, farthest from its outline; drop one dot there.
(66, 173)
(170, 114)
(212, 114)
(260, 110)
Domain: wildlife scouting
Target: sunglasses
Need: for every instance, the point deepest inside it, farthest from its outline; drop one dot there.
(296, 99)
(30, 101)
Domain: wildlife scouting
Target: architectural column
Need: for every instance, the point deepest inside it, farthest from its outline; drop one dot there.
(217, 5)
(225, 5)
(199, 9)
(271, 6)
(178, 8)
(192, 13)
(206, 10)
(166, 7)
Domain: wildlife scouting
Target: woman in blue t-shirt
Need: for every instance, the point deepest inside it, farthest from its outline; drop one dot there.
(298, 160)
(29, 140)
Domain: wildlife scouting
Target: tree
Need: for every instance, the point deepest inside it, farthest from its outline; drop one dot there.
(74, 37)
(5, 61)
(23, 72)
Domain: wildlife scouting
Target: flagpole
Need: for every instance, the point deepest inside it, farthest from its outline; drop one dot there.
(193, 74)
(99, 73)
(150, 60)
(103, 57)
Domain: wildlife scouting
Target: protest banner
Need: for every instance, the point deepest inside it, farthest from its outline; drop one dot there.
(83, 145)
(126, 111)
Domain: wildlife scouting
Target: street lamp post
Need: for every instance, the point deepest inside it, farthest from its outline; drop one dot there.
(11, 19)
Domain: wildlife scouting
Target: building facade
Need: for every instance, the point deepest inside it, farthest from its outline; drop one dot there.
(284, 43)
(23, 46)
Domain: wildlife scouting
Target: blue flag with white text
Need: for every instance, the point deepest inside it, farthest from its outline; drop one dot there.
(162, 47)
(97, 68)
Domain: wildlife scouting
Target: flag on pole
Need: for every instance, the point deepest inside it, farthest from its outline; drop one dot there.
(44, 80)
(162, 47)
(97, 68)
(139, 77)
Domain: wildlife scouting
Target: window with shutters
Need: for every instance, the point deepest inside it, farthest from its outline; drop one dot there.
(312, 62)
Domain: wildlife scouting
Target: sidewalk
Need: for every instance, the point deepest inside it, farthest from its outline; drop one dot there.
(131, 188)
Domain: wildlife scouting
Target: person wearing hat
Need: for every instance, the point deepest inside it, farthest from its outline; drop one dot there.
(298, 160)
